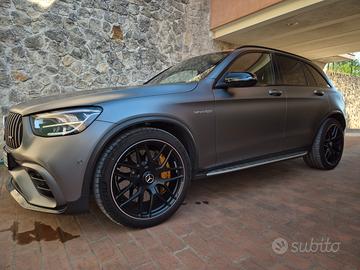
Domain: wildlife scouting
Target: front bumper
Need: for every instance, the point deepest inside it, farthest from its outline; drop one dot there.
(49, 173)
(15, 193)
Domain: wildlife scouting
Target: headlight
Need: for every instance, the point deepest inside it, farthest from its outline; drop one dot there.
(64, 122)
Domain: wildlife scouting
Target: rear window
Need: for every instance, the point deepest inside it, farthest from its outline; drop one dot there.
(291, 71)
(318, 80)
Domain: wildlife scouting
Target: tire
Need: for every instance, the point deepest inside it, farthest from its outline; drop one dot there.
(327, 148)
(148, 163)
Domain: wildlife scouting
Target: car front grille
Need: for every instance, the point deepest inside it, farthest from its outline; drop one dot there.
(13, 130)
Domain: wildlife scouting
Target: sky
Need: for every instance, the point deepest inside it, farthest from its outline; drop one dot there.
(357, 54)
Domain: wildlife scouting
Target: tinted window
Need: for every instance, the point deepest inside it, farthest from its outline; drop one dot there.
(291, 71)
(309, 77)
(259, 64)
(318, 79)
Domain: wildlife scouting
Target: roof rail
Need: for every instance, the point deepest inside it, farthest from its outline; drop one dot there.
(276, 50)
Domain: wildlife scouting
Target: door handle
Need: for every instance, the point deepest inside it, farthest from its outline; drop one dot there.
(275, 93)
(319, 93)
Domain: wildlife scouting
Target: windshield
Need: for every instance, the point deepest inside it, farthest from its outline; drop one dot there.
(191, 70)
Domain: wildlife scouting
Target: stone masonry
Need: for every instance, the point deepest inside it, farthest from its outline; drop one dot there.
(77, 45)
(350, 87)
(87, 44)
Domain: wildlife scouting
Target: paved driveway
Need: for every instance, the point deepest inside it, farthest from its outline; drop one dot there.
(227, 222)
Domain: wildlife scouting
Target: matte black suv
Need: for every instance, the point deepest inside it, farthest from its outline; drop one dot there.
(138, 148)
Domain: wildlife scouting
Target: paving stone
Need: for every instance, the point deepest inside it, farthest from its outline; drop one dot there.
(245, 212)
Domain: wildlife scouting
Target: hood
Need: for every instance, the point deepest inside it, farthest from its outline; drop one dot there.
(98, 96)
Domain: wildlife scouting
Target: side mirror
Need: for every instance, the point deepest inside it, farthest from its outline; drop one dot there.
(240, 79)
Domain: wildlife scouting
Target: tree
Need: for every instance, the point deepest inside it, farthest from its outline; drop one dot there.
(346, 67)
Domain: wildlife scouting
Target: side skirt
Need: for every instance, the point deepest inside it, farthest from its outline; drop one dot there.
(251, 164)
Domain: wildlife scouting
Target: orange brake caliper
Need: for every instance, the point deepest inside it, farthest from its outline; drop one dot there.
(165, 174)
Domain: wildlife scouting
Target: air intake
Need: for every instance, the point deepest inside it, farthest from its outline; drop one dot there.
(40, 183)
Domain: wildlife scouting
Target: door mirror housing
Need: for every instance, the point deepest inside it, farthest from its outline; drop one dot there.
(240, 79)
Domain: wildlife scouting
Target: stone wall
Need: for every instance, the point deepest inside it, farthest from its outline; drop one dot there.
(77, 45)
(350, 87)
(87, 44)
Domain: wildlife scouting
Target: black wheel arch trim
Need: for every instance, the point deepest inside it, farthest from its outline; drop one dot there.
(82, 203)
(336, 113)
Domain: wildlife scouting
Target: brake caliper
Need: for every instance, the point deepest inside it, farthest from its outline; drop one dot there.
(165, 174)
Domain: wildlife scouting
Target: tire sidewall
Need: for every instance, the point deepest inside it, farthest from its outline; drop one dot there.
(109, 158)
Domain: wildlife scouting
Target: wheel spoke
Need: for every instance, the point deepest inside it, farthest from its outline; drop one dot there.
(176, 178)
(138, 156)
(160, 152)
(332, 154)
(334, 133)
(130, 159)
(166, 159)
(168, 169)
(162, 199)
(327, 153)
(169, 191)
(131, 198)
(124, 191)
(151, 203)
(147, 152)
(122, 175)
(127, 165)
(131, 191)
(117, 186)
(140, 201)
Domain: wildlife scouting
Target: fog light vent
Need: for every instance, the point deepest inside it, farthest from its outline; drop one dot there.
(40, 183)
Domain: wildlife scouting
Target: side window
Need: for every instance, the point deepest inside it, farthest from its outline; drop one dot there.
(291, 71)
(309, 77)
(259, 64)
(319, 80)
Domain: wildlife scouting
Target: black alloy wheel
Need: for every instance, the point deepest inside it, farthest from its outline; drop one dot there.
(327, 148)
(142, 177)
(333, 144)
(147, 179)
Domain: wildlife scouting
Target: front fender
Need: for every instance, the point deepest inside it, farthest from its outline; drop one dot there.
(113, 132)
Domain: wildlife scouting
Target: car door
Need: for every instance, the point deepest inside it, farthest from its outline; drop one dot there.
(250, 121)
(307, 103)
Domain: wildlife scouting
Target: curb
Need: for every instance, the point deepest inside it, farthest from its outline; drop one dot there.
(352, 132)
